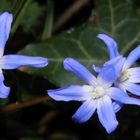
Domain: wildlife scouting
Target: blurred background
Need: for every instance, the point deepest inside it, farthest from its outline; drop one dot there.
(57, 29)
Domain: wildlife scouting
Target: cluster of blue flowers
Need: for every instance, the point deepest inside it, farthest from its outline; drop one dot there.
(104, 94)
(107, 92)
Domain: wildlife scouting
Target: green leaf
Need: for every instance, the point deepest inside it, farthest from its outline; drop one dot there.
(115, 18)
(67, 45)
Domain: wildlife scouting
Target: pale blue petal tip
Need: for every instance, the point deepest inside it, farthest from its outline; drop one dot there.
(5, 27)
(79, 70)
(110, 44)
(4, 90)
(133, 56)
(84, 112)
(112, 128)
(69, 93)
(15, 61)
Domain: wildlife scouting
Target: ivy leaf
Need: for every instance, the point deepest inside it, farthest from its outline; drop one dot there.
(118, 19)
(79, 45)
(115, 18)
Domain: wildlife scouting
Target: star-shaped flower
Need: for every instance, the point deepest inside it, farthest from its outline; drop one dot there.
(96, 95)
(13, 61)
(129, 78)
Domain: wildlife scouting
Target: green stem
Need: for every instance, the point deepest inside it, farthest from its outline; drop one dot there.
(20, 15)
(47, 32)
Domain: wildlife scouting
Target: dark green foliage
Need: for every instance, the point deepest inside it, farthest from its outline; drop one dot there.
(115, 18)
(51, 120)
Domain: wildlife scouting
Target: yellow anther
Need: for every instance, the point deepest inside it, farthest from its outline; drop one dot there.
(124, 76)
(98, 92)
(125, 73)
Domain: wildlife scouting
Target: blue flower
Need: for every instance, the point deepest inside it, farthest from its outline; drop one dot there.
(13, 61)
(97, 94)
(128, 78)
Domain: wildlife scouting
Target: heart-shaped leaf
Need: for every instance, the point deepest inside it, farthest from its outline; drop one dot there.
(115, 18)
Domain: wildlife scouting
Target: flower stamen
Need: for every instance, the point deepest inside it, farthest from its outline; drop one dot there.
(124, 76)
(98, 92)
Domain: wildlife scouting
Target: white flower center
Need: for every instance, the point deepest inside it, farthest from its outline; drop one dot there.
(124, 76)
(98, 92)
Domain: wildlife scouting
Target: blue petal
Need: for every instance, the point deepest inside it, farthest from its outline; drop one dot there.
(4, 91)
(108, 74)
(106, 114)
(96, 68)
(134, 79)
(134, 75)
(111, 70)
(117, 106)
(5, 26)
(110, 44)
(121, 86)
(14, 61)
(132, 58)
(74, 92)
(134, 70)
(79, 70)
(118, 95)
(85, 111)
(133, 88)
(117, 63)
